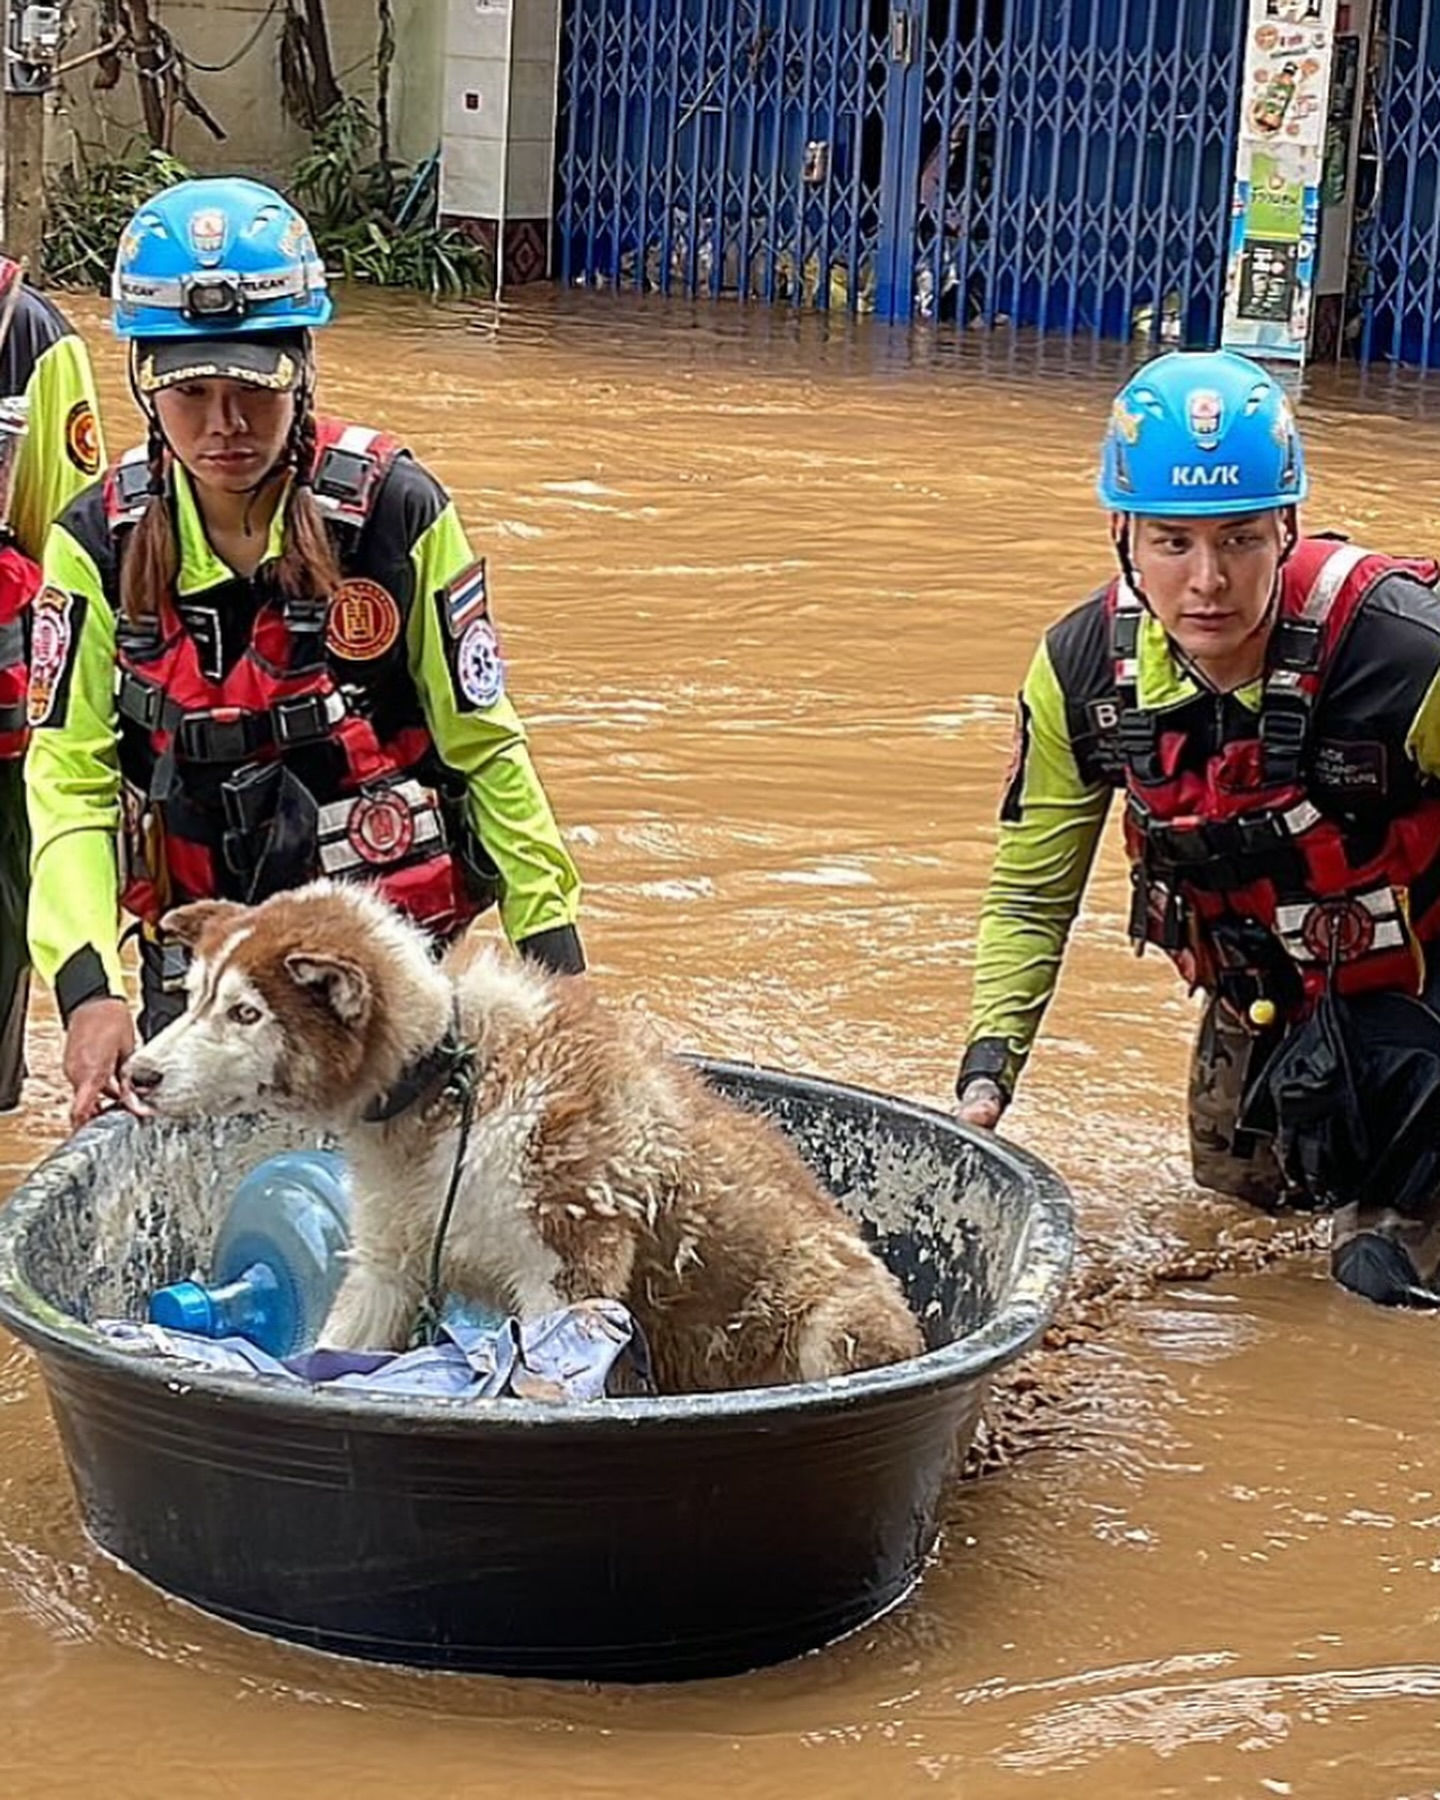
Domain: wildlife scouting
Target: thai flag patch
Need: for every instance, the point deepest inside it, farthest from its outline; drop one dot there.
(465, 600)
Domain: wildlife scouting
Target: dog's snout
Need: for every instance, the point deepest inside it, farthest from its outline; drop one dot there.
(143, 1076)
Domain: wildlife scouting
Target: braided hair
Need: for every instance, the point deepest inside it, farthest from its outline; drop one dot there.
(307, 569)
(150, 559)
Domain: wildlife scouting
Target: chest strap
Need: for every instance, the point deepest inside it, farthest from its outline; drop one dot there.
(230, 734)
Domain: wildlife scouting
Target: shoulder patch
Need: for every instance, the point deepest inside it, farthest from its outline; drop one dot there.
(82, 438)
(466, 599)
(363, 621)
(55, 628)
(479, 667)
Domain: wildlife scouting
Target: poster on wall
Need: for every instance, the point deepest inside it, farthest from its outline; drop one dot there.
(1280, 153)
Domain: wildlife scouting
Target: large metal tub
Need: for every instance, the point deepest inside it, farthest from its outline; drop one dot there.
(621, 1540)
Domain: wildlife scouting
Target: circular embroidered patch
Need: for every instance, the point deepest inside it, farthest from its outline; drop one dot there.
(363, 621)
(1337, 931)
(380, 830)
(82, 438)
(479, 668)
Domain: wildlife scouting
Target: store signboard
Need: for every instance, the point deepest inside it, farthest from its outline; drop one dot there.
(1275, 205)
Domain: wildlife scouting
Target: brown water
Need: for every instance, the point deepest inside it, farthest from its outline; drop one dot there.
(767, 590)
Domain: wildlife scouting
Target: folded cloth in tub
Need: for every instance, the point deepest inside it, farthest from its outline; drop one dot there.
(580, 1352)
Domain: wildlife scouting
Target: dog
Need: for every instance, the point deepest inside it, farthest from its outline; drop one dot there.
(597, 1165)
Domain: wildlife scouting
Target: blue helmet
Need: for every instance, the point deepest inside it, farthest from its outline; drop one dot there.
(1201, 433)
(206, 274)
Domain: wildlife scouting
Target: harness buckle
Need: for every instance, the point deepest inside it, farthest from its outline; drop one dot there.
(140, 701)
(343, 479)
(305, 718)
(132, 484)
(225, 735)
(1296, 644)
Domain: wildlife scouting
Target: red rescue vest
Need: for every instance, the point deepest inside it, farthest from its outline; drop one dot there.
(19, 584)
(217, 808)
(1237, 846)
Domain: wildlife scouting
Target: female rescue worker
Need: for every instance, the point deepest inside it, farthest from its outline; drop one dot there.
(50, 449)
(1269, 706)
(263, 650)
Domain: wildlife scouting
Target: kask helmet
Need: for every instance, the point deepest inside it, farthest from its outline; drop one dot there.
(1201, 433)
(207, 274)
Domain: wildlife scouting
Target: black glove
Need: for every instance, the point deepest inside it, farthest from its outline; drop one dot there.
(1379, 1268)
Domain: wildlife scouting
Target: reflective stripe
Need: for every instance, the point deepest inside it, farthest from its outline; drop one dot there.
(1389, 935)
(356, 439)
(1306, 927)
(409, 810)
(1335, 571)
(294, 281)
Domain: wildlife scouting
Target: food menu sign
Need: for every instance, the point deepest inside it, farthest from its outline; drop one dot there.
(1275, 208)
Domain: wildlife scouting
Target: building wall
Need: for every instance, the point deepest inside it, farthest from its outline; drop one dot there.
(417, 81)
(245, 98)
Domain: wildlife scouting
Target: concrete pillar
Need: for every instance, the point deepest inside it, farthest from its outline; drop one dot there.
(497, 141)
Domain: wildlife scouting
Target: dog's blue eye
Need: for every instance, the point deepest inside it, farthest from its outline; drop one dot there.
(242, 1013)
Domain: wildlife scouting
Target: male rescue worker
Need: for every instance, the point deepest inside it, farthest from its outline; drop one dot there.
(1268, 705)
(51, 451)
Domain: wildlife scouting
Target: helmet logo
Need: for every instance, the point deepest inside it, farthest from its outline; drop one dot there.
(1126, 423)
(207, 231)
(1205, 413)
(295, 238)
(1199, 475)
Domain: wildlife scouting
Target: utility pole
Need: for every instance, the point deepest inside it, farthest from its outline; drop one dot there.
(32, 40)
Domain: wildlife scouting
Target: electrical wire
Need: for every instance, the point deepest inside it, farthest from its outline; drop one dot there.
(244, 50)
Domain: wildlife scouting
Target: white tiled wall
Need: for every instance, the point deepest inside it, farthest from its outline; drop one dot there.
(498, 131)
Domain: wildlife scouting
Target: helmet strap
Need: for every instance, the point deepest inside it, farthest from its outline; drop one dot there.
(1120, 538)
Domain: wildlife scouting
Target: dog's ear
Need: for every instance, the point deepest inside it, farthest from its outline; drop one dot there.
(186, 923)
(340, 984)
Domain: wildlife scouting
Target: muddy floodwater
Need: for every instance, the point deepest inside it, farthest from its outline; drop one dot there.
(767, 589)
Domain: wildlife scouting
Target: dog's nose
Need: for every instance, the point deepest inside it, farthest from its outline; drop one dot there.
(143, 1077)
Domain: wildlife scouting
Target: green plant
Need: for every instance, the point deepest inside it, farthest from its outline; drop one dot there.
(366, 218)
(338, 182)
(89, 203)
(373, 221)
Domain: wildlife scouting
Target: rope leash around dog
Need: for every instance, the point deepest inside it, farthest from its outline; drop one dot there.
(460, 1086)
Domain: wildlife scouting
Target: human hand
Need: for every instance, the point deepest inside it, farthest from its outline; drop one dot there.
(98, 1040)
(981, 1103)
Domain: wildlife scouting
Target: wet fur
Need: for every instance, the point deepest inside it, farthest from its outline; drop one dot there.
(598, 1166)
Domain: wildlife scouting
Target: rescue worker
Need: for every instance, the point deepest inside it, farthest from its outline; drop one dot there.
(50, 448)
(1268, 705)
(263, 650)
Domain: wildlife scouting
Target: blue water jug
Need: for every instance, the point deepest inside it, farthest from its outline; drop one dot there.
(279, 1261)
(278, 1258)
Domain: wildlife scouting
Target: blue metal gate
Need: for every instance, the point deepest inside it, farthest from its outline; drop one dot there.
(1059, 163)
(1401, 242)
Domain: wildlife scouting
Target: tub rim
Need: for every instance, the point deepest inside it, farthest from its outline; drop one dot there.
(1049, 1253)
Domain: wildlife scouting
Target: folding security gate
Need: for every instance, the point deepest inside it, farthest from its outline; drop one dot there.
(1060, 163)
(1399, 244)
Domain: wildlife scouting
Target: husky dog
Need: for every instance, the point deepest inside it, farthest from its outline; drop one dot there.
(597, 1166)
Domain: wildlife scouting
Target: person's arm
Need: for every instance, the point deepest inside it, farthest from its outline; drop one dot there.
(1050, 824)
(455, 662)
(62, 451)
(72, 783)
